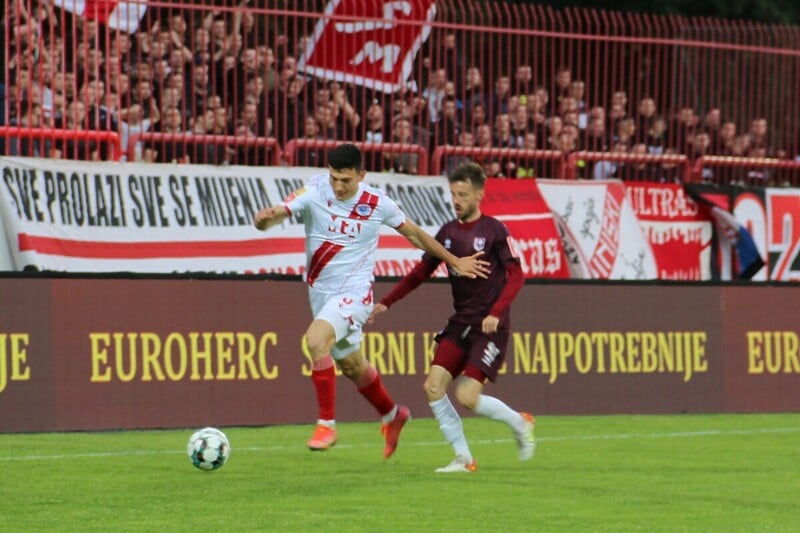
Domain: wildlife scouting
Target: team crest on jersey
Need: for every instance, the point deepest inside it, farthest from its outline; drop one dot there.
(447, 243)
(479, 243)
(364, 210)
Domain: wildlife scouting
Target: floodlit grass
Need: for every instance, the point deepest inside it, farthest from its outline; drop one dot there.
(620, 473)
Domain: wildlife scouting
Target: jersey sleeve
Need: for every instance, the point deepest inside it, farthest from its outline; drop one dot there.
(508, 256)
(515, 279)
(503, 245)
(300, 199)
(393, 216)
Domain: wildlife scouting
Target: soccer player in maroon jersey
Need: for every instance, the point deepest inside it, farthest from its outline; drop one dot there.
(472, 345)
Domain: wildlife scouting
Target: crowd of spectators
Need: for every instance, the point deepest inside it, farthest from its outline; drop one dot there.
(199, 74)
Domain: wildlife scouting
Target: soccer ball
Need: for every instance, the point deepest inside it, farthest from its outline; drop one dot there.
(209, 449)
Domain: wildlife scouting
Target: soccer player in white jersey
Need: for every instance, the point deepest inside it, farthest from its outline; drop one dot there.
(342, 218)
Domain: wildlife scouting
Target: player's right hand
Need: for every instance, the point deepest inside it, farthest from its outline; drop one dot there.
(472, 266)
(262, 219)
(378, 309)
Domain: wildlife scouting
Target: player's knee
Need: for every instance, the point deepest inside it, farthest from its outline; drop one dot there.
(433, 390)
(320, 337)
(318, 345)
(352, 367)
(466, 396)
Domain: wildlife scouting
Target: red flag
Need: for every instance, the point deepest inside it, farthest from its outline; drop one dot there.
(368, 43)
(99, 10)
(118, 15)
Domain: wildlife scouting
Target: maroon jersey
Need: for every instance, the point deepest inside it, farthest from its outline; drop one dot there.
(473, 298)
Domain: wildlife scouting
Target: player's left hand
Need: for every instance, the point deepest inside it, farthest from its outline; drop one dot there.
(490, 324)
(378, 309)
(472, 266)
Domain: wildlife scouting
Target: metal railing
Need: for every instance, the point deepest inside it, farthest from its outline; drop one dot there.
(747, 171)
(522, 158)
(641, 167)
(109, 138)
(695, 73)
(295, 146)
(268, 144)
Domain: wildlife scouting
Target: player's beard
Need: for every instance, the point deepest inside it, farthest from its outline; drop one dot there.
(465, 213)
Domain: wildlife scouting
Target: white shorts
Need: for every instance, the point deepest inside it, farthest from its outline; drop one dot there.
(347, 313)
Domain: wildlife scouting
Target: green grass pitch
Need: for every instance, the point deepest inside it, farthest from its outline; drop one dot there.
(614, 473)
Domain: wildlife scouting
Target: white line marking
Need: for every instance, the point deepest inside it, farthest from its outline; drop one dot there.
(613, 436)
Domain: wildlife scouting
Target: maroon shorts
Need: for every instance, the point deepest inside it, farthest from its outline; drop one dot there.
(461, 346)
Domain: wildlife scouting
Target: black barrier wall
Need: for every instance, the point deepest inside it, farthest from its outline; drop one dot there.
(78, 353)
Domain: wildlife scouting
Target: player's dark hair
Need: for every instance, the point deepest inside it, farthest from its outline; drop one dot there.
(345, 156)
(468, 172)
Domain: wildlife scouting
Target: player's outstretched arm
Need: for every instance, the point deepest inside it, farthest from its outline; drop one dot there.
(470, 266)
(421, 271)
(269, 216)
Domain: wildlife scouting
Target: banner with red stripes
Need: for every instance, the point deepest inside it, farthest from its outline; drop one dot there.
(110, 217)
(121, 217)
(520, 206)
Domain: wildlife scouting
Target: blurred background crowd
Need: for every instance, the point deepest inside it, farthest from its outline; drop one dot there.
(231, 73)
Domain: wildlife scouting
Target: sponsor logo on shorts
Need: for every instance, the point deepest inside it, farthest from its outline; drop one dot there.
(490, 354)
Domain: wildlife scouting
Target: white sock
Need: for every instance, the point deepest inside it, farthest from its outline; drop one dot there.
(491, 407)
(330, 423)
(388, 417)
(451, 426)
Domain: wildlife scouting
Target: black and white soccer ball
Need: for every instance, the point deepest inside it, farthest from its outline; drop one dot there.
(209, 449)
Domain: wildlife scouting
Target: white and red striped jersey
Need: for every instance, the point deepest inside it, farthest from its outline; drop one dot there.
(342, 236)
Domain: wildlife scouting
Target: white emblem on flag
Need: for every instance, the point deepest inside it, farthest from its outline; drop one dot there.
(375, 52)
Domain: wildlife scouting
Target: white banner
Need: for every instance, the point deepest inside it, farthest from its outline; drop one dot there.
(603, 227)
(130, 217)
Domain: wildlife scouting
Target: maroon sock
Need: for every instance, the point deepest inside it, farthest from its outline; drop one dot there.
(323, 375)
(371, 388)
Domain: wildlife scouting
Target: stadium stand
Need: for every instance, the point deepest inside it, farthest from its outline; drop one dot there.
(511, 86)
